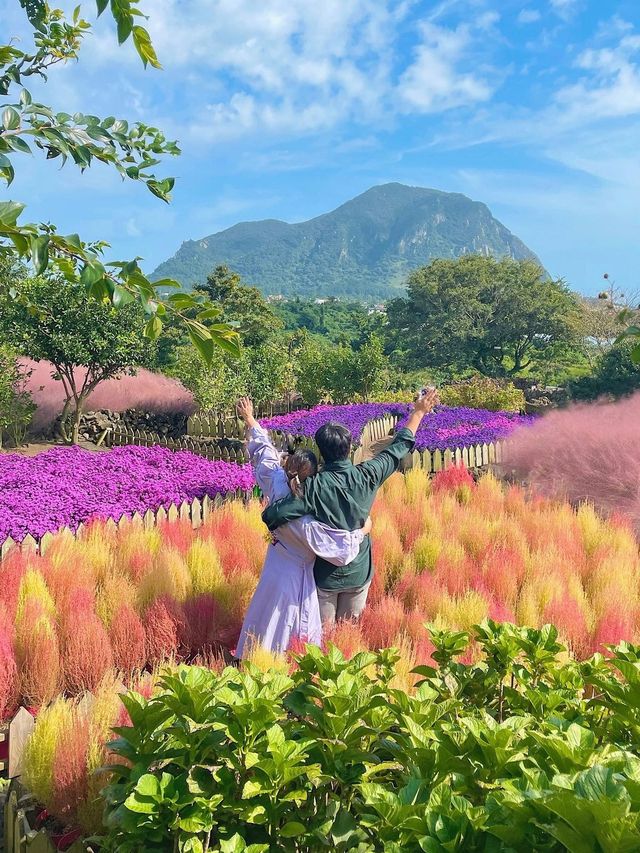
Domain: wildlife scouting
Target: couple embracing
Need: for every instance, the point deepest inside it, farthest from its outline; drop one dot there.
(319, 564)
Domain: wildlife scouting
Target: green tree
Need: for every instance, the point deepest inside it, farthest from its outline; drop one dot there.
(496, 316)
(72, 330)
(339, 374)
(243, 305)
(16, 404)
(615, 375)
(133, 150)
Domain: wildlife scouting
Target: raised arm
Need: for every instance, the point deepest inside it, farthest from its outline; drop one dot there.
(382, 466)
(265, 459)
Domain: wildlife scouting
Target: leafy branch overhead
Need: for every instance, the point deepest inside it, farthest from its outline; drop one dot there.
(134, 150)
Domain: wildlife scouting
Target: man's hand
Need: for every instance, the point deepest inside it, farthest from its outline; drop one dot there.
(426, 403)
(244, 409)
(422, 406)
(367, 526)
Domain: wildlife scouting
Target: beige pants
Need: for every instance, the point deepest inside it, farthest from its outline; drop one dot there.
(337, 604)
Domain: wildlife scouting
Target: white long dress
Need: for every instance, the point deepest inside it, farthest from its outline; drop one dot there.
(285, 603)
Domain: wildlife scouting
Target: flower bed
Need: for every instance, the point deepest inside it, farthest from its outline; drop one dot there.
(355, 416)
(445, 428)
(449, 428)
(66, 486)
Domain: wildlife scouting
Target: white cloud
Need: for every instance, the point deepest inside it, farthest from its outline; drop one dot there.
(610, 88)
(566, 9)
(435, 81)
(529, 16)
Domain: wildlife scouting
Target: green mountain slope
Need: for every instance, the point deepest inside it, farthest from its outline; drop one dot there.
(364, 249)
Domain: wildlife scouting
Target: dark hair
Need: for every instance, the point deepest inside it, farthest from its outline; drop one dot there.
(334, 442)
(305, 457)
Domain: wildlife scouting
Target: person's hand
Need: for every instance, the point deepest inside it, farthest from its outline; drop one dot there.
(426, 403)
(244, 408)
(367, 526)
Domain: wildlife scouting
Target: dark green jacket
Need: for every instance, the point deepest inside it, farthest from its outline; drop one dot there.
(341, 495)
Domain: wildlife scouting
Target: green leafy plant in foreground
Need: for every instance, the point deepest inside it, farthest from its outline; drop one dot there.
(525, 750)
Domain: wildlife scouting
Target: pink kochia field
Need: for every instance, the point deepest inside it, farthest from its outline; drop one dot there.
(446, 551)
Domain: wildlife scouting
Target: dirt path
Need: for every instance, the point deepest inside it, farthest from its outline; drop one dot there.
(42, 446)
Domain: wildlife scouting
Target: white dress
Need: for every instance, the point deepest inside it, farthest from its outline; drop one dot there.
(285, 603)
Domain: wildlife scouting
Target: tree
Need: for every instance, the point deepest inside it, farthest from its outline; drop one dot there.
(72, 330)
(243, 305)
(133, 150)
(496, 316)
(16, 404)
(340, 374)
(615, 375)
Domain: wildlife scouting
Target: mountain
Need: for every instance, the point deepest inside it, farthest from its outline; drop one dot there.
(364, 249)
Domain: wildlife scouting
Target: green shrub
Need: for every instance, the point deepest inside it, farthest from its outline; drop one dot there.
(525, 750)
(481, 392)
(16, 403)
(616, 375)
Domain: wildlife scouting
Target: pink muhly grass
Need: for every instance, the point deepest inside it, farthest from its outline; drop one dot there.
(161, 623)
(201, 627)
(584, 453)
(128, 640)
(70, 771)
(86, 652)
(382, 622)
(146, 390)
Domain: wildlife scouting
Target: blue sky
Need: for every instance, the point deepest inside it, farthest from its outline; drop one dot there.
(287, 108)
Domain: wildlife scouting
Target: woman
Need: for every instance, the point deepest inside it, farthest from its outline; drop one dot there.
(285, 603)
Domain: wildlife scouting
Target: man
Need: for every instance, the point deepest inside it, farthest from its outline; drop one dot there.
(341, 495)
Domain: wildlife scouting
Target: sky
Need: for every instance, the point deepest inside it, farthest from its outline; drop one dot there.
(288, 108)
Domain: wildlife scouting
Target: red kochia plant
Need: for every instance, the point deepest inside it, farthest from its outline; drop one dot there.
(452, 479)
(86, 652)
(200, 630)
(38, 656)
(382, 622)
(161, 626)
(12, 568)
(128, 640)
(584, 453)
(70, 771)
(9, 680)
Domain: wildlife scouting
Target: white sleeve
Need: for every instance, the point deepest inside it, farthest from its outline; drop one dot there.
(265, 459)
(339, 547)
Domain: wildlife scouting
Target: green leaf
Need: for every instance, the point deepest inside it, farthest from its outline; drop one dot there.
(153, 328)
(18, 144)
(122, 296)
(40, 253)
(10, 118)
(124, 24)
(102, 5)
(142, 42)
(25, 98)
(91, 273)
(148, 785)
(10, 211)
(292, 829)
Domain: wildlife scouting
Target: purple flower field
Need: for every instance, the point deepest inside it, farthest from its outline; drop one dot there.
(67, 485)
(355, 416)
(444, 428)
(448, 428)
